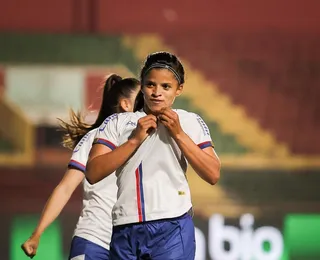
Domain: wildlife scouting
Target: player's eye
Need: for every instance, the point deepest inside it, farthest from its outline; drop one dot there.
(150, 84)
(166, 86)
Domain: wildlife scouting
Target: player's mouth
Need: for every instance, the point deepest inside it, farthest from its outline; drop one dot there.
(156, 101)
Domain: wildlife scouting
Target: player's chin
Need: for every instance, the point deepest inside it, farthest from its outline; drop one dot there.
(156, 109)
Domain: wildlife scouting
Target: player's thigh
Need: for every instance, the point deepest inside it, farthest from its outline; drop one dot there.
(83, 249)
(178, 242)
(122, 246)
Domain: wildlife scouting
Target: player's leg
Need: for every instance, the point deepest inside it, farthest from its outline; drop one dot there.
(83, 249)
(171, 239)
(123, 242)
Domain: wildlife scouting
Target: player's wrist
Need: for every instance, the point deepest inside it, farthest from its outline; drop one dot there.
(180, 136)
(36, 235)
(134, 142)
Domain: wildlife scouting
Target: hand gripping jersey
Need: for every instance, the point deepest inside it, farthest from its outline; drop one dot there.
(95, 223)
(152, 184)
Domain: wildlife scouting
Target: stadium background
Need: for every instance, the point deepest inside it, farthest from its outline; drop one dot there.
(253, 74)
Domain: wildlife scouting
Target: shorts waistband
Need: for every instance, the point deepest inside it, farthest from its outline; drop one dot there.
(189, 213)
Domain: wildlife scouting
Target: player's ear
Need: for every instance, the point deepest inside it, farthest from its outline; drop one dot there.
(125, 105)
(179, 90)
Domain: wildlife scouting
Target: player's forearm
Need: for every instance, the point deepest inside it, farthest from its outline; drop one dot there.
(56, 202)
(103, 165)
(205, 165)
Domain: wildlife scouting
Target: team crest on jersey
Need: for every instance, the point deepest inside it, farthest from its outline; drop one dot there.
(82, 141)
(203, 125)
(106, 121)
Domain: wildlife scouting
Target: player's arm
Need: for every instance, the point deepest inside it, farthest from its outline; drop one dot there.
(202, 157)
(59, 198)
(105, 157)
(62, 193)
(204, 161)
(56, 202)
(103, 161)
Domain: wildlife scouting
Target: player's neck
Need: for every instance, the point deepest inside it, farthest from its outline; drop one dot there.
(147, 110)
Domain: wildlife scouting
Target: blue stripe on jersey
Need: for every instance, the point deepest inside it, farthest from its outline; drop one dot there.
(142, 194)
(77, 165)
(104, 142)
(205, 145)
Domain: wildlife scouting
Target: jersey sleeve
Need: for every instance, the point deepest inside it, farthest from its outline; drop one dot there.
(200, 132)
(107, 134)
(80, 153)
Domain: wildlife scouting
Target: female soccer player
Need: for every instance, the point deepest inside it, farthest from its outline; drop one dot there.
(93, 231)
(151, 149)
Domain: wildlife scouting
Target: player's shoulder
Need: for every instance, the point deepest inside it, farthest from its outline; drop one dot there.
(110, 121)
(192, 120)
(183, 114)
(111, 118)
(131, 116)
(86, 141)
(122, 120)
(88, 137)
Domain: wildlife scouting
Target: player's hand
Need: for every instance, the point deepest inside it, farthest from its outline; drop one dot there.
(170, 120)
(144, 128)
(30, 246)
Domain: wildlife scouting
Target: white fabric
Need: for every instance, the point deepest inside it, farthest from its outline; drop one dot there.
(95, 223)
(152, 184)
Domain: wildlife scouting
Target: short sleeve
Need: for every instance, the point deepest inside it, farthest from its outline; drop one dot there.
(107, 133)
(80, 153)
(200, 132)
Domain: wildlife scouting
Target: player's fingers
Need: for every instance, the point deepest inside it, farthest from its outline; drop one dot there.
(154, 125)
(24, 247)
(170, 114)
(147, 118)
(152, 117)
(143, 123)
(150, 124)
(166, 124)
(165, 118)
(27, 249)
(146, 124)
(150, 127)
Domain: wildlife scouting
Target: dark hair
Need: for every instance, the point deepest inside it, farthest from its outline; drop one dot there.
(164, 60)
(114, 88)
(139, 102)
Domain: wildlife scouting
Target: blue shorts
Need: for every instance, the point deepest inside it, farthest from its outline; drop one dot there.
(167, 239)
(83, 249)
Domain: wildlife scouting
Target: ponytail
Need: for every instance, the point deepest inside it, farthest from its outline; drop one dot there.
(113, 88)
(73, 131)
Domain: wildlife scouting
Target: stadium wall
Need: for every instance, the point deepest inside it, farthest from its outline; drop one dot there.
(101, 16)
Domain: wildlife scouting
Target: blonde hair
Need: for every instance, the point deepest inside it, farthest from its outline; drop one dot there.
(74, 130)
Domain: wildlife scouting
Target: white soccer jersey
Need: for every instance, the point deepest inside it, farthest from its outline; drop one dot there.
(95, 222)
(152, 184)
